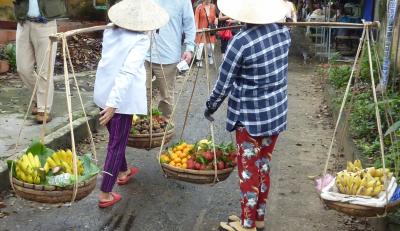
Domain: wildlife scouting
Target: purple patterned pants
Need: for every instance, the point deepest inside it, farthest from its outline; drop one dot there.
(118, 127)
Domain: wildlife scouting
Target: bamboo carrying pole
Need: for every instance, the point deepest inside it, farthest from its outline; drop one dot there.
(375, 24)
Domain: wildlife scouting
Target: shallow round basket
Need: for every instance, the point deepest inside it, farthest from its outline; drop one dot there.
(53, 194)
(195, 176)
(360, 210)
(142, 141)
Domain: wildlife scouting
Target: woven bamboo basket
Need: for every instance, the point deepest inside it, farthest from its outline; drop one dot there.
(195, 176)
(53, 194)
(360, 210)
(142, 141)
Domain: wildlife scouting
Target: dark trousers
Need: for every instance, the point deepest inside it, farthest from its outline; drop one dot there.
(118, 128)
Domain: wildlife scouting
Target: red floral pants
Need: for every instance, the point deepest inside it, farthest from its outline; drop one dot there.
(253, 166)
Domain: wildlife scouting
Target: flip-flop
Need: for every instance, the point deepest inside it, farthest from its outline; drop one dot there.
(105, 204)
(233, 218)
(224, 226)
(131, 174)
(231, 226)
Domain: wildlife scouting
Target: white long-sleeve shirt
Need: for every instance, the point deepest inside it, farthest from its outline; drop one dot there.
(121, 76)
(33, 10)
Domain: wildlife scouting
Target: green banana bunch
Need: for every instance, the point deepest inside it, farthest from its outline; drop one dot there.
(29, 169)
(62, 160)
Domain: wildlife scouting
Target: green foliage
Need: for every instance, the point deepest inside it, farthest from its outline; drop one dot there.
(393, 128)
(365, 71)
(362, 119)
(339, 75)
(38, 148)
(156, 112)
(335, 57)
(10, 54)
(392, 159)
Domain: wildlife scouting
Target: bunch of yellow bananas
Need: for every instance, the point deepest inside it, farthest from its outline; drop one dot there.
(27, 168)
(64, 160)
(354, 167)
(361, 182)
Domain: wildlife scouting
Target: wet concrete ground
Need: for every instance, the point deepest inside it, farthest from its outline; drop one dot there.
(151, 202)
(14, 101)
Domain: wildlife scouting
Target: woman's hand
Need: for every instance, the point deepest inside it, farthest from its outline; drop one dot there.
(106, 115)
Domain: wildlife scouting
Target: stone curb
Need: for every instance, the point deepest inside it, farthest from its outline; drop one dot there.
(60, 138)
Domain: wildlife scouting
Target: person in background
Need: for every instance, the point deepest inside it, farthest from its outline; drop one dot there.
(205, 15)
(120, 86)
(291, 14)
(166, 51)
(254, 75)
(36, 22)
(225, 21)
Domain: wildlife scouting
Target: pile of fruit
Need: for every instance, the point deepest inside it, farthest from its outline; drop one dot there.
(29, 169)
(200, 156)
(141, 124)
(178, 155)
(361, 182)
(62, 162)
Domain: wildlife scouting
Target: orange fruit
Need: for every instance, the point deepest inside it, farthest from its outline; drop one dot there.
(190, 146)
(164, 159)
(184, 165)
(187, 150)
(178, 165)
(174, 155)
(172, 163)
(177, 160)
(182, 155)
(184, 160)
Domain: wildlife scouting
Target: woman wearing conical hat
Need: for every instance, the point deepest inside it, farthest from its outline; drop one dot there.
(120, 86)
(254, 75)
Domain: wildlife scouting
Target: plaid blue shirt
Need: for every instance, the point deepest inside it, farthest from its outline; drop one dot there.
(254, 72)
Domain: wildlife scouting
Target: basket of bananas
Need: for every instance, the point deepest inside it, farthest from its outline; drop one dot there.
(197, 164)
(361, 192)
(47, 176)
(139, 136)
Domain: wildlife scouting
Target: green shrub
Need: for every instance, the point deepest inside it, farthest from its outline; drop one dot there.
(339, 76)
(10, 53)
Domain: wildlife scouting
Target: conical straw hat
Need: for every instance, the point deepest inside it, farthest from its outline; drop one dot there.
(138, 15)
(254, 11)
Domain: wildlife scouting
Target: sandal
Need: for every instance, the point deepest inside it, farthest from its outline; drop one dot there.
(233, 226)
(233, 218)
(130, 175)
(116, 197)
(259, 224)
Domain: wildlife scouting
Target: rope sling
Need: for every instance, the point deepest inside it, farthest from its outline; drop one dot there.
(67, 61)
(364, 46)
(66, 56)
